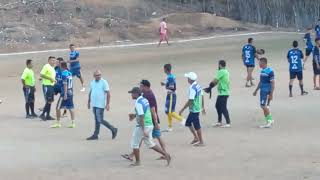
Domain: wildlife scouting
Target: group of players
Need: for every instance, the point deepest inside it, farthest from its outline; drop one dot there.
(56, 77)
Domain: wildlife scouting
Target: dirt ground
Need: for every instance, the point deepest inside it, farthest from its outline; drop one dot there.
(29, 149)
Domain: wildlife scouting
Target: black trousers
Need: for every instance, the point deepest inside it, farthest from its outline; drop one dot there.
(221, 106)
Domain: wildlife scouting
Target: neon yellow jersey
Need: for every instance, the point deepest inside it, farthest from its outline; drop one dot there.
(28, 77)
(48, 71)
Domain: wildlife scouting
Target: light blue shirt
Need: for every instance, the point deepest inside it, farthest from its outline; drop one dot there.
(98, 91)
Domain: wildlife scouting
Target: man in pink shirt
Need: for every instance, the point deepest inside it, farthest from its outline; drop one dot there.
(163, 30)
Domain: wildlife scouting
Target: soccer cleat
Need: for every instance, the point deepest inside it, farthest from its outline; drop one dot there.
(42, 117)
(34, 115)
(29, 117)
(183, 122)
(49, 118)
(218, 124)
(114, 133)
(56, 125)
(93, 137)
(226, 126)
(83, 89)
(304, 93)
(72, 125)
(268, 125)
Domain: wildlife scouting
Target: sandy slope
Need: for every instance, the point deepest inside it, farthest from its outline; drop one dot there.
(289, 151)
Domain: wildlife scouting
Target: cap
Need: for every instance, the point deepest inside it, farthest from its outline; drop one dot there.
(191, 75)
(145, 83)
(135, 90)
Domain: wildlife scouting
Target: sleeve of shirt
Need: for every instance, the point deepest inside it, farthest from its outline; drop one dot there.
(271, 75)
(139, 109)
(64, 78)
(192, 93)
(43, 70)
(24, 75)
(77, 54)
(301, 53)
(219, 75)
(106, 86)
(254, 50)
(152, 102)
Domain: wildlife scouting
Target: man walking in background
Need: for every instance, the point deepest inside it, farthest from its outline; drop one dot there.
(48, 75)
(163, 30)
(295, 58)
(317, 29)
(249, 54)
(99, 100)
(222, 79)
(75, 67)
(28, 83)
(309, 45)
(316, 64)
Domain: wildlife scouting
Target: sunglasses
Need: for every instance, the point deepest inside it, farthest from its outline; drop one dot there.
(97, 75)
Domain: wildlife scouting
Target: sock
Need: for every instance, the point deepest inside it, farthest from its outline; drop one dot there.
(269, 118)
(32, 108)
(301, 88)
(27, 109)
(48, 109)
(44, 109)
(290, 89)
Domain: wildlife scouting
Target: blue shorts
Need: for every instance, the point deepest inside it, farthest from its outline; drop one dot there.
(76, 72)
(193, 120)
(264, 98)
(156, 133)
(308, 51)
(171, 101)
(57, 89)
(29, 94)
(65, 104)
(298, 75)
(250, 65)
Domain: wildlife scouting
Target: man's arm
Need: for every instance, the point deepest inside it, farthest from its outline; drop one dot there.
(47, 77)
(65, 88)
(273, 84)
(108, 100)
(141, 118)
(203, 109)
(187, 104)
(257, 89)
(89, 99)
(154, 117)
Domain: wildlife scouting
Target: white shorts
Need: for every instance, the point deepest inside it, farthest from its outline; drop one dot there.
(138, 136)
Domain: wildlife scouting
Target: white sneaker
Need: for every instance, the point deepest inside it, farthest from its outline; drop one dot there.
(183, 122)
(268, 125)
(217, 124)
(83, 89)
(167, 130)
(226, 126)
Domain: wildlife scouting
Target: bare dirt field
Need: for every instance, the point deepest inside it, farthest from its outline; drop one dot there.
(30, 150)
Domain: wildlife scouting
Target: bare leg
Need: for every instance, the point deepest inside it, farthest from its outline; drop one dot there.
(137, 156)
(195, 136)
(199, 133)
(163, 153)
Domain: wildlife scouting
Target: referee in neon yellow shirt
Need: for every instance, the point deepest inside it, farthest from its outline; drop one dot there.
(48, 75)
(28, 83)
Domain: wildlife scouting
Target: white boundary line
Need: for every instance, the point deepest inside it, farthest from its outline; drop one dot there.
(150, 43)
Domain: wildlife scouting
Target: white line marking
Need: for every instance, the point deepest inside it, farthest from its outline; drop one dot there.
(150, 43)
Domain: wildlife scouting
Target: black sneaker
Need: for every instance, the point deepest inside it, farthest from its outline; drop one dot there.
(49, 118)
(29, 117)
(34, 115)
(114, 133)
(42, 117)
(304, 93)
(93, 137)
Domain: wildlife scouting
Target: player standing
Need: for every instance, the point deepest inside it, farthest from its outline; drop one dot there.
(171, 99)
(196, 105)
(317, 29)
(75, 67)
(266, 87)
(309, 45)
(316, 64)
(249, 54)
(295, 58)
(48, 75)
(66, 96)
(163, 30)
(28, 82)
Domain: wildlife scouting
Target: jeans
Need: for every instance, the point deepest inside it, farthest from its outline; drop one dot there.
(221, 106)
(98, 116)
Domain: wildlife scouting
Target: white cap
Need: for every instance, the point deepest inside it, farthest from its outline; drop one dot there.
(191, 75)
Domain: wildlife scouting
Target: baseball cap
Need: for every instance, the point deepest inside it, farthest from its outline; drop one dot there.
(145, 83)
(135, 90)
(191, 75)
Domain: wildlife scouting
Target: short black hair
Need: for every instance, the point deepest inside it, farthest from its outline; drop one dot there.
(250, 40)
(146, 83)
(317, 39)
(167, 67)
(60, 59)
(264, 60)
(222, 63)
(64, 65)
(71, 45)
(51, 57)
(295, 44)
(28, 61)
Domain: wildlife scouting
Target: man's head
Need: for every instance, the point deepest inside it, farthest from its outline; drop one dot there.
(64, 65)
(309, 29)
(59, 60)
(97, 75)
(52, 61)
(72, 47)
(222, 64)
(29, 63)
(167, 68)
(263, 63)
(192, 77)
(250, 40)
(145, 85)
(135, 92)
(295, 44)
(319, 21)
(317, 42)
(164, 19)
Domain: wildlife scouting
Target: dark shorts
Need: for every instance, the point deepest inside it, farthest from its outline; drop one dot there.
(193, 120)
(308, 52)
(294, 75)
(171, 101)
(250, 65)
(65, 104)
(76, 72)
(264, 98)
(316, 71)
(57, 89)
(156, 133)
(29, 94)
(48, 93)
